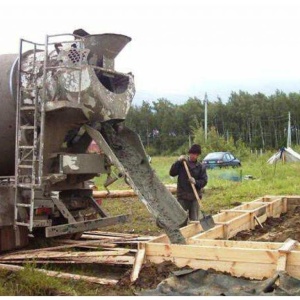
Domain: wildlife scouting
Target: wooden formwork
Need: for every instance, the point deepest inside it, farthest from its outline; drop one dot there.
(212, 250)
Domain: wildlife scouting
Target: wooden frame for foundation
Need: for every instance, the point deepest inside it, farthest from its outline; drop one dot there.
(212, 250)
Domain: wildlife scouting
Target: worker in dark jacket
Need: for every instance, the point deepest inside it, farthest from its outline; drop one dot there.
(185, 194)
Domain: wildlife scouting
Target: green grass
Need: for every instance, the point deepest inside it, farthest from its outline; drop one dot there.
(29, 282)
(220, 193)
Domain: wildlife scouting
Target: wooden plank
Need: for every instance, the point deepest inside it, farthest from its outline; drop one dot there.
(129, 250)
(191, 229)
(99, 238)
(61, 247)
(97, 246)
(239, 258)
(56, 254)
(246, 221)
(293, 200)
(285, 207)
(238, 269)
(238, 224)
(278, 208)
(161, 239)
(138, 262)
(281, 263)
(284, 250)
(275, 206)
(236, 244)
(293, 258)
(213, 233)
(58, 262)
(268, 199)
(258, 222)
(126, 193)
(64, 275)
(188, 231)
(226, 216)
(108, 260)
(112, 234)
(212, 253)
(288, 246)
(249, 206)
(293, 271)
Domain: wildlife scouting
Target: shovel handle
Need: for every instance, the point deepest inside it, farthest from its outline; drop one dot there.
(193, 186)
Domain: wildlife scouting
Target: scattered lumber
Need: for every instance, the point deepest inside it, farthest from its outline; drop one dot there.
(117, 257)
(211, 249)
(72, 244)
(63, 275)
(104, 245)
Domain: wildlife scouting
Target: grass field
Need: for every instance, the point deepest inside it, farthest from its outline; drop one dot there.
(222, 191)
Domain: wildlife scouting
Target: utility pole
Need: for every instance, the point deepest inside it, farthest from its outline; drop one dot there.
(289, 136)
(205, 116)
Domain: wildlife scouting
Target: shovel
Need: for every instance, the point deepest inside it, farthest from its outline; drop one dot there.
(206, 221)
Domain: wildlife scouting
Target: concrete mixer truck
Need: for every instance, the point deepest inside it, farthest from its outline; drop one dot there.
(56, 98)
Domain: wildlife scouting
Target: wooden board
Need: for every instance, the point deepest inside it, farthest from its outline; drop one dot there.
(213, 253)
(256, 271)
(237, 244)
(63, 275)
(210, 249)
(139, 259)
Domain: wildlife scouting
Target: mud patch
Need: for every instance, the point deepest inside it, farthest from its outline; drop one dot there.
(150, 276)
(274, 229)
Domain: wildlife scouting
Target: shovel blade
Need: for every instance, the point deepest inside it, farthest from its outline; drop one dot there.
(207, 222)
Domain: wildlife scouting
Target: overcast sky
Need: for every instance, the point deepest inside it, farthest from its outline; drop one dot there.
(179, 49)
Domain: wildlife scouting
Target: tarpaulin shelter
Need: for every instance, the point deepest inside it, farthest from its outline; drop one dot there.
(285, 155)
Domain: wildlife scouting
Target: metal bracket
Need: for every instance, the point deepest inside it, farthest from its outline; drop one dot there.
(61, 207)
(84, 226)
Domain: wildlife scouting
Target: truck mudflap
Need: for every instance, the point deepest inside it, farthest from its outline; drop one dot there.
(125, 150)
(13, 238)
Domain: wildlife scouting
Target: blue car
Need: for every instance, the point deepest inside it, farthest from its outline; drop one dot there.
(221, 160)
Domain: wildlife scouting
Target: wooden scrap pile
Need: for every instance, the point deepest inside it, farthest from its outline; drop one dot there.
(98, 247)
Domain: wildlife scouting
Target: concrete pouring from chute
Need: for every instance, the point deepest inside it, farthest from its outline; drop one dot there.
(285, 155)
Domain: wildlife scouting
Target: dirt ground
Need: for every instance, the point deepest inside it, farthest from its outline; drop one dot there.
(274, 229)
(150, 276)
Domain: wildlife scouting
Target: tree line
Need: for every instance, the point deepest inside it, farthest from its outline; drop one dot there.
(255, 121)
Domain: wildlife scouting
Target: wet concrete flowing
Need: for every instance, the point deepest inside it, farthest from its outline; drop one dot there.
(129, 155)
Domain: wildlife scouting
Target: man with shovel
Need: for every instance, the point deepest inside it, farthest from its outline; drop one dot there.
(192, 178)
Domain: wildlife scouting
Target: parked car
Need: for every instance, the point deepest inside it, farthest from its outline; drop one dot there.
(221, 159)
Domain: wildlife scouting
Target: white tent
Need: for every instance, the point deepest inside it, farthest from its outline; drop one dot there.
(285, 155)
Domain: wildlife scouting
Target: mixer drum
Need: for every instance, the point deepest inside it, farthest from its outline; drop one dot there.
(8, 95)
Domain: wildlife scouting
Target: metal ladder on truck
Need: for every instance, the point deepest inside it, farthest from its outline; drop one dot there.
(29, 156)
(29, 121)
